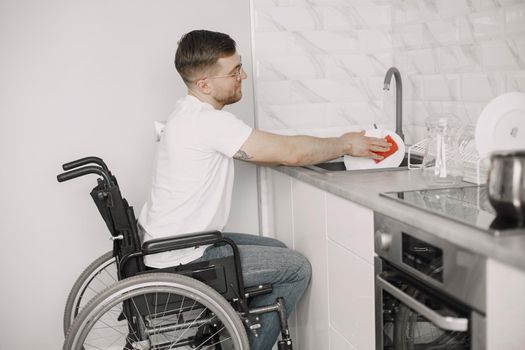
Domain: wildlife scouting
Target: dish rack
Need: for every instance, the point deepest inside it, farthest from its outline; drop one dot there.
(417, 149)
(475, 168)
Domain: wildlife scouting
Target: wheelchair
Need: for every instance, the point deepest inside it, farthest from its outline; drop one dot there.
(120, 303)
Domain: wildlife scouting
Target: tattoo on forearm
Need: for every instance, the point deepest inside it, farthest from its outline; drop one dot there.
(241, 155)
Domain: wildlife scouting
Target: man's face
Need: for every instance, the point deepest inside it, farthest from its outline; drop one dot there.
(226, 80)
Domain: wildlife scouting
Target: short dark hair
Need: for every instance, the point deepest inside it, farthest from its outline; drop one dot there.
(201, 49)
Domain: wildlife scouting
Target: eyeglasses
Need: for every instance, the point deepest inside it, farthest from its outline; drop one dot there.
(237, 74)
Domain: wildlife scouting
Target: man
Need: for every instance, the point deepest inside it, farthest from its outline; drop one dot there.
(192, 186)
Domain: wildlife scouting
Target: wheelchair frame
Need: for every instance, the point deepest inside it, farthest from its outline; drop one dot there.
(223, 275)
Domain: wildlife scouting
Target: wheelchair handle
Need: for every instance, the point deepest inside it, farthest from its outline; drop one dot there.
(84, 171)
(84, 161)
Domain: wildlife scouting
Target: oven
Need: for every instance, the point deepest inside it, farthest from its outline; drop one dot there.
(430, 294)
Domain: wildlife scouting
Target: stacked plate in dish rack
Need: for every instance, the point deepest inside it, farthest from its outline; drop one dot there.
(500, 128)
(501, 125)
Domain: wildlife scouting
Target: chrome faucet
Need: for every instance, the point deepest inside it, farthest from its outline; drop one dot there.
(399, 98)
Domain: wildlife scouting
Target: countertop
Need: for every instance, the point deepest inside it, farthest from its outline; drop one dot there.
(364, 188)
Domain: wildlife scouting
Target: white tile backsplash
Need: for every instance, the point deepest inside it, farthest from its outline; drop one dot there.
(337, 90)
(516, 81)
(517, 46)
(314, 91)
(498, 55)
(459, 58)
(374, 40)
(477, 53)
(357, 113)
(491, 4)
(416, 11)
(290, 67)
(424, 61)
(325, 41)
(481, 86)
(374, 15)
(302, 115)
(288, 18)
(341, 18)
(412, 36)
(422, 110)
(450, 8)
(321, 63)
(456, 108)
(515, 20)
(274, 92)
(440, 87)
(442, 32)
(356, 65)
(473, 110)
(487, 25)
(272, 43)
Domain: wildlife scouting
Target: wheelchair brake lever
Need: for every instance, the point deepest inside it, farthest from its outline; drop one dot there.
(250, 321)
(252, 326)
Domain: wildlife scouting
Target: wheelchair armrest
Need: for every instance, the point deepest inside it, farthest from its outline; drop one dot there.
(188, 240)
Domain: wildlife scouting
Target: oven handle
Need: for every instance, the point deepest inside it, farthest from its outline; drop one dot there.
(444, 322)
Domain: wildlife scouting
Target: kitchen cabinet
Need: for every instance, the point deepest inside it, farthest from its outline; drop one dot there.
(350, 225)
(351, 296)
(309, 239)
(505, 306)
(300, 208)
(338, 342)
(336, 236)
(280, 214)
(350, 240)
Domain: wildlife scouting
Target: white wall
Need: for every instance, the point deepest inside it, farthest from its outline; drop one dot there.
(82, 78)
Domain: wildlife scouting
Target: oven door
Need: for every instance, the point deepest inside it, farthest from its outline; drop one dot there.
(411, 316)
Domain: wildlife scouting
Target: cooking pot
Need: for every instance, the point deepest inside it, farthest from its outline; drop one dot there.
(506, 185)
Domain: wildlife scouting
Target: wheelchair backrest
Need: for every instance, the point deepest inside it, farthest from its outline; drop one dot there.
(122, 225)
(115, 211)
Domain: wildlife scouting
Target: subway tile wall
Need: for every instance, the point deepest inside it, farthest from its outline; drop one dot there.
(456, 56)
(320, 64)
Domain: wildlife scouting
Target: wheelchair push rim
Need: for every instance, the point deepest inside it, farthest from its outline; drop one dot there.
(210, 323)
(98, 276)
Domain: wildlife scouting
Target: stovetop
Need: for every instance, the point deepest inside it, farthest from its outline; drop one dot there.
(468, 205)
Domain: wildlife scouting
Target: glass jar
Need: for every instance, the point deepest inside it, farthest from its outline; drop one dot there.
(442, 163)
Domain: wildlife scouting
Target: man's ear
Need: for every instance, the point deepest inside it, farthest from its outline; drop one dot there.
(203, 86)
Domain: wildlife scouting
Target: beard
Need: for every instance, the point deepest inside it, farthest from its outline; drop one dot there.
(229, 99)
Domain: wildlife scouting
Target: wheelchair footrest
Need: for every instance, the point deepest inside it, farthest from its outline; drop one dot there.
(261, 289)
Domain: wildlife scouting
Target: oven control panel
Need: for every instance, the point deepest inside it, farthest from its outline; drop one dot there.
(422, 256)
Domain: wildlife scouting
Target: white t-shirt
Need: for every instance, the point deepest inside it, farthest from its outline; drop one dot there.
(193, 182)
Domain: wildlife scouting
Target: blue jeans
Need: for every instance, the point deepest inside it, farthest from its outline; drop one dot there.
(267, 260)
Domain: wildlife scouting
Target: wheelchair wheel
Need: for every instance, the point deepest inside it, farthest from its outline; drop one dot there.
(157, 311)
(98, 276)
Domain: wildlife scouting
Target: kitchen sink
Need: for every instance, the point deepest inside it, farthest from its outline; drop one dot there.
(337, 166)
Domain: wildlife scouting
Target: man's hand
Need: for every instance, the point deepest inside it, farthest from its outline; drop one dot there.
(359, 145)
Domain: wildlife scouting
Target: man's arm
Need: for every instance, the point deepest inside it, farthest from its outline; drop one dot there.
(267, 148)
